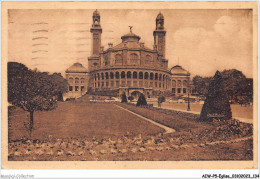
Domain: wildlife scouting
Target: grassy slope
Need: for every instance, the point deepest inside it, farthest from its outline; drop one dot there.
(81, 119)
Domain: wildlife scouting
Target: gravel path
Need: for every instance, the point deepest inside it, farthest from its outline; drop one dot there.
(167, 129)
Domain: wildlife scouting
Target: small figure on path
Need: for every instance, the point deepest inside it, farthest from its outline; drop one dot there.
(161, 99)
(159, 103)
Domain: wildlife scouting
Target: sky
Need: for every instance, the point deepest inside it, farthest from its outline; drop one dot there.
(201, 41)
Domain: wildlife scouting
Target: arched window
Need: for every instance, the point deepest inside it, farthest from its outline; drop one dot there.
(82, 80)
(148, 60)
(146, 75)
(135, 75)
(117, 75)
(151, 76)
(70, 80)
(118, 59)
(76, 80)
(185, 83)
(102, 76)
(106, 61)
(128, 74)
(179, 83)
(156, 76)
(160, 77)
(173, 83)
(106, 75)
(122, 74)
(98, 76)
(95, 77)
(111, 75)
(141, 75)
(134, 58)
(163, 77)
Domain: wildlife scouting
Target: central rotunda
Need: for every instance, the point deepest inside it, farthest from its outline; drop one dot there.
(130, 67)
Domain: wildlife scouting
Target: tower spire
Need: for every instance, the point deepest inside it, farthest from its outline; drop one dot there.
(96, 19)
(96, 31)
(159, 21)
(159, 35)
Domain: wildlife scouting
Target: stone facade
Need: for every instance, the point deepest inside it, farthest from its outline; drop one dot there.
(131, 67)
(77, 77)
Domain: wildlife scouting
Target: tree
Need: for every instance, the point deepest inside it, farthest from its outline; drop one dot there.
(235, 83)
(201, 84)
(161, 99)
(141, 100)
(60, 85)
(32, 91)
(248, 91)
(123, 98)
(216, 104)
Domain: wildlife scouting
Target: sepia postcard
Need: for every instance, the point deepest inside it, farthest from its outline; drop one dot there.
(129, 85)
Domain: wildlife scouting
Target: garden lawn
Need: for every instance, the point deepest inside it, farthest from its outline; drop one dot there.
(188, 126)
(80, 119)
(237, 110)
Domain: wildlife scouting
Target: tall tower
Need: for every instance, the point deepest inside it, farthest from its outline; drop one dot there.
(159, 35)
(96, 31)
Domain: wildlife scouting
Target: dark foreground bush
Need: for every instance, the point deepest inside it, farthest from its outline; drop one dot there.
(141, 100)
(216, 105)
(123, 98)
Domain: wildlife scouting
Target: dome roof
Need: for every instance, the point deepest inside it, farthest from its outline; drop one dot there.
(96, 13)
(130, 41)
(178, 70)
(130, 45)
(160, 16)
(77, 68)
(130, 36)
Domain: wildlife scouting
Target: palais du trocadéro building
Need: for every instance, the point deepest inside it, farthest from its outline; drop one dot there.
(128, 67)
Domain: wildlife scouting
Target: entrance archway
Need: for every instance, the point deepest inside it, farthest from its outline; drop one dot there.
(136, 94)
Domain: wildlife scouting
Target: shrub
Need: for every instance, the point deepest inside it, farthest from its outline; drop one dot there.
(141, 100)
(123, 98)
(216, 104)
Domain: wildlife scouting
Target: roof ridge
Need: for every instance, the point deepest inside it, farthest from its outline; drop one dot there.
(77, 67)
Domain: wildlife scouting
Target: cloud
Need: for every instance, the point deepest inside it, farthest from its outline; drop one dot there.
(226, 26)
(226, 46)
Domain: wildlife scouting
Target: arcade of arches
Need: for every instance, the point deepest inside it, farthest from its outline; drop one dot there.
(143, 80)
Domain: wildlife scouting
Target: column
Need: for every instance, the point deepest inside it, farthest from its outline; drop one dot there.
(132, 79)
(120, 78)
(137, 79)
